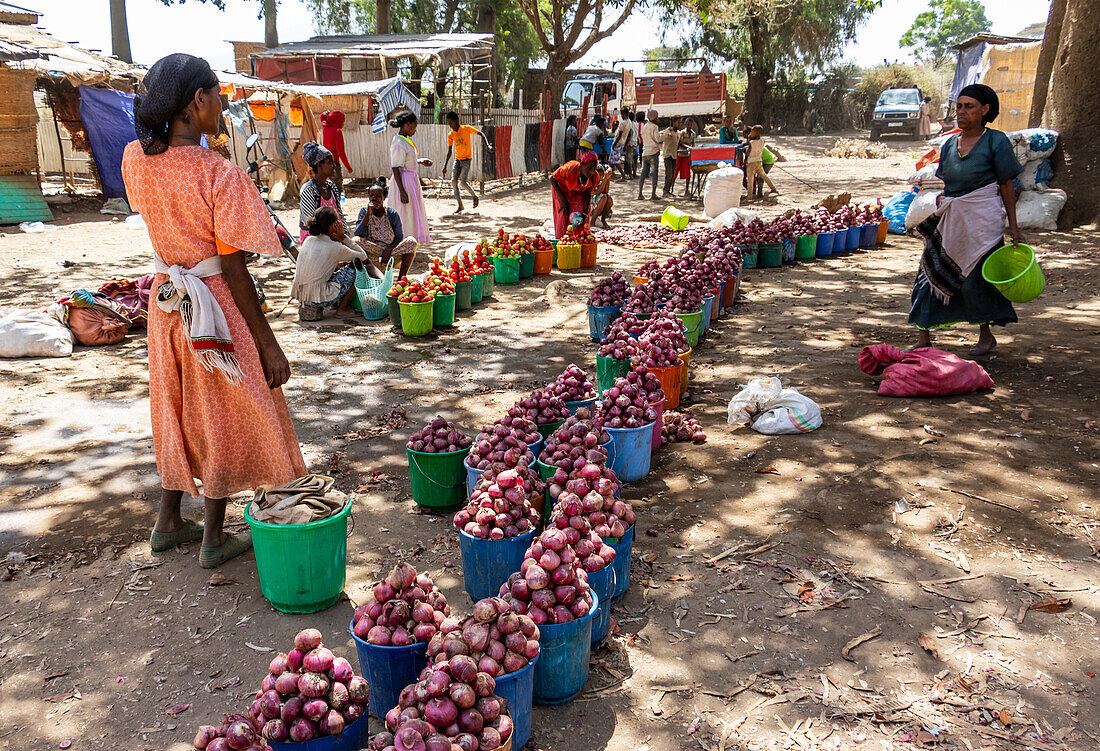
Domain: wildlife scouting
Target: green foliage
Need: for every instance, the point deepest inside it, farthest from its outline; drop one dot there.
(653, 56)
(945, 24)
(878, 79)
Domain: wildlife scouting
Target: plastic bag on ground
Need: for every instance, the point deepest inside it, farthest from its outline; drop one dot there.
(922, 372)
(732, 216)
(925, 177)
(31, 333)
(547, 230)
(896, 209)
(723, 190)
(36, 227)
(1039, 209)
(921, 208)
(768, 408)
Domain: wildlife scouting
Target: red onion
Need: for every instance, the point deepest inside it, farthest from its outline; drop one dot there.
(571, 386)
(625, 405)
(504, 445)
(438, 437)
(307, 639)
(681, 426)
(542, 408)
(535, 597)
(502, 504)
(609, 291)
(408, 614)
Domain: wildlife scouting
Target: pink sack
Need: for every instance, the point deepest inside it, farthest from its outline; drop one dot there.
(922, 372)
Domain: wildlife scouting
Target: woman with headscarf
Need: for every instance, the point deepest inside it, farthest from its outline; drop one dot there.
(977, 166)
(319, 190)
(408, 199)
(572, 185)
(215, 367)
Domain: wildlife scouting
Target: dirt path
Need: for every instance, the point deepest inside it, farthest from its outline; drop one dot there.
(918, 522)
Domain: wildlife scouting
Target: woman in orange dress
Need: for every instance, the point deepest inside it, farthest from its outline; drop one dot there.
(215, 368)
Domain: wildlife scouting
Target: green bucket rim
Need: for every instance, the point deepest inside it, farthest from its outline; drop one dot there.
(413, 304)
(996, 282)
(342, 514)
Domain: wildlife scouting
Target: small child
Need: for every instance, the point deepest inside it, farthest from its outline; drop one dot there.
(754, 161)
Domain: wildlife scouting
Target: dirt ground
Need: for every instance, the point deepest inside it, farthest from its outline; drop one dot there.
(864, 586)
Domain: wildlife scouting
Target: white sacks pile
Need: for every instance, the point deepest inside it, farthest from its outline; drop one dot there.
(723, 190)
(1037, 205)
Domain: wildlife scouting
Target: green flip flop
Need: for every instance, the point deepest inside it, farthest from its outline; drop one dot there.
(233, 546)
(189, 532)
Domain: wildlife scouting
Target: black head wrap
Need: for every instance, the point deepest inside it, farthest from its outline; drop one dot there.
(314, 153)
(404, 117)
(984, 95)
(166, 90)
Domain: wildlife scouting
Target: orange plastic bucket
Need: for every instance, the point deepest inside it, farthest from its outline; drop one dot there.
(544, 261)
(685, 360)
(670, 383)
(883, 226)
(588, 255)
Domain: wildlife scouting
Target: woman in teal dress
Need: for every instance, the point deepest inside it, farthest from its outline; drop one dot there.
(977, 167)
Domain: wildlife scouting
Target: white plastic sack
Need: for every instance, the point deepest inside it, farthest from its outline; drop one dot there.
(925, 177)
(36, 227)
(768, 408)
(1036, 173)
(732, 216)
(455, 251)
(547, 230)
(723, 190)
(32, 333)
(1036, 143)
(1039, 210)
(921, 208)
(134, 221)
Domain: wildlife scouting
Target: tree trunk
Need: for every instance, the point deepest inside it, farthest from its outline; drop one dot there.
(120, 31)
(1046, 62)
(1072, 109)
(382, 17)
(486, 80)
(758, 73)
(271, 31)
(554, 81)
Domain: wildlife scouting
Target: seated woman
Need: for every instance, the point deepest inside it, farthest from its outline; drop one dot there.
(324, 275)
(601, 198)
(378, 231)
(571, 188)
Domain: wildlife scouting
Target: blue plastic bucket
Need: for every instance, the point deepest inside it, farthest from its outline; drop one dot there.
(602, 583)
(518, 691)
(718, 297)
(851, 239)
(825, 244)
(790, 245)
(623, 550)
(536, 447)
(353, 738)
(387, 670)
(589, 404)
(867, 235)
(472, 476)
(630, 452)
(708, 303)
(564, 651)
(486, 564)
(600, 317)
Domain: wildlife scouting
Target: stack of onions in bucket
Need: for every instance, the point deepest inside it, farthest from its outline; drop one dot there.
(618, 346)
(451, 706)
(499, 641)
(665, 324)
(577, 441)
(628, 322)
(236, 733)
(590, 493)
(309, 693)
(503, 445)
(542, 408)
(516, 419)
(572, 385)
(405, 608)
(685, 300)
(501, 504)
(625, 405)
(551, 585)
(656, 351)
(641, 300)
(574, 513)
(609, 292)
(438, 437)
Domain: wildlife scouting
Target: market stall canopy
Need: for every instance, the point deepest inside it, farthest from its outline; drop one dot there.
(56, 59)
(448, 49)
(389, 93)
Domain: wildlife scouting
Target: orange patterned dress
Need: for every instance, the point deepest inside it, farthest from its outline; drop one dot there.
(232, 437)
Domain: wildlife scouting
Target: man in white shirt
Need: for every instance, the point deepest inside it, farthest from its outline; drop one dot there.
(670, 144)
(624, 143)
(651, 152)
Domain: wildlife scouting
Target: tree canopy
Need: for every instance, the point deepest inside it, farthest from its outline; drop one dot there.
(947, 22)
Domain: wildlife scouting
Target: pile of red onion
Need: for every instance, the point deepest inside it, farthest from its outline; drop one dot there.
(665, 323)
(582, 514)
(499, 641)
(685, 300)
(578, 441)
(543, 408)
(610, 291)
(680, 426)
(451, 706)
(516, 419)
(405, 608)
(438, 437)
(500, 444)
(237, 733)
(501, 505)
(625, 405)
(656, 351)
(641, 300)
(619, 346)
(627, 322)
(583, 479)
(551, 586)
(308, 693)
(572, 385)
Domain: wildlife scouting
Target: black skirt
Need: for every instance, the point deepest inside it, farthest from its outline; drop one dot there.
(977, 302)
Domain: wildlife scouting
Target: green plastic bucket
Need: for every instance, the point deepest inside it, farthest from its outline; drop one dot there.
(395, 310)
(487, 284)
(806, 247)
(416, 318)
(770, 256)
(608, 369)
(548, 428)
(443, 310)
(749, 257)
(475, 288)
(546, 471)
(1015, 273)
(506, 270)
(463, 295)
(674, 219)
(526, 265)
(301, 566)
(438, 480)
(693, 323)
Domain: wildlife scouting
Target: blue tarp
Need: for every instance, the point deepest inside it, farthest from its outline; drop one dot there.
(108, 117)
(968, 69)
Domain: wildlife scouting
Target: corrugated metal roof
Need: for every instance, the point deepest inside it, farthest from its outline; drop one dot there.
(453, 47)
(993, 39)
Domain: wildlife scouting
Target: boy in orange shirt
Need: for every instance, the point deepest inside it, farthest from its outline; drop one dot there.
(459, 139)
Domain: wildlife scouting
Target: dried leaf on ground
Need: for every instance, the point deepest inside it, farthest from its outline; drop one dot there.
(767, 471)
(219, 580)
(1052, 605)
(176, 709)
(928, 644)
(846, 650)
